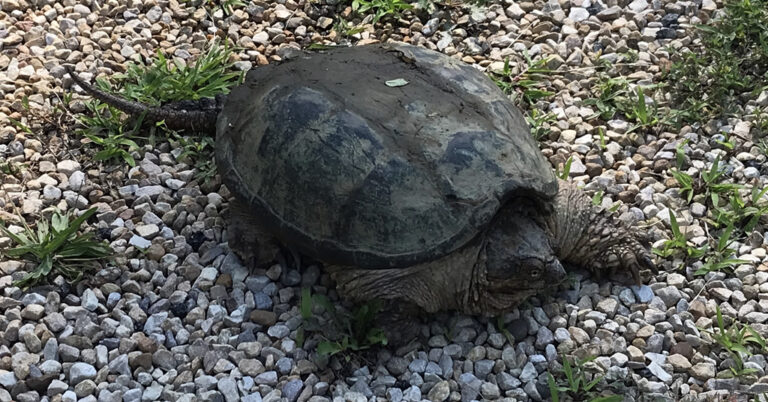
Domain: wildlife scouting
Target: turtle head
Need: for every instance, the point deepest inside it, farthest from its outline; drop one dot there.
(519, 260)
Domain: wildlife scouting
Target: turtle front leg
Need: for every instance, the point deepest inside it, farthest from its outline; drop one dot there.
(584, 236)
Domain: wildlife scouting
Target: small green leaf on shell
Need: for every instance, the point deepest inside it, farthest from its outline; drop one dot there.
(399, 82)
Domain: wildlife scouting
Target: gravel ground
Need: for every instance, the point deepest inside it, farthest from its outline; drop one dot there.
(178, 318)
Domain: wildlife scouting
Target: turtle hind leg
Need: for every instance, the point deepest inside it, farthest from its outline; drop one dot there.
(248, 239)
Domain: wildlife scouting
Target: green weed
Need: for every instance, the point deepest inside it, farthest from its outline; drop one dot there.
(678, 245)
(157, 83)
(226, 6)
(742, 212)
(56, 248)
(761, 124)
(712, 182)
(597, 199)
(381, 8)
(347, 29)
(685, 183)
(345, 331)
(601, 133)
(539, 123)
(172, 80)
(644, 116)
(720, 257)
(198, 152)
(577, 386)
(733, 63)
(738, 340)
(709, 184)
(503, 329)
(104, 128)
(12, 168)
(529, 85)
(763, 146)
(563, 174)
(612, 97)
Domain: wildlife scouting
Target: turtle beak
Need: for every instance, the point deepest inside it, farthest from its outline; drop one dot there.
(555, 271)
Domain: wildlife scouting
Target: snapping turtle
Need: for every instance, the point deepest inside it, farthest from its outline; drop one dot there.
(408, 173)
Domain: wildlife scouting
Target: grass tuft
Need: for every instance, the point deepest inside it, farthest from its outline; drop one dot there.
(56, 248)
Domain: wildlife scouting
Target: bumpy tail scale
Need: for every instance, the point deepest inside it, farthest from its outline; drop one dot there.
(176, 119)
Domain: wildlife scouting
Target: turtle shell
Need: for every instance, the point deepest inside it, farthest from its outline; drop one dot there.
(376, 156)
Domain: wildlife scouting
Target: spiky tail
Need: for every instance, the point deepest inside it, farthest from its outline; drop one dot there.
(175, 119)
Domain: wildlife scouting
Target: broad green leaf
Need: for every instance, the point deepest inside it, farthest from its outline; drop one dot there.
(306, 303)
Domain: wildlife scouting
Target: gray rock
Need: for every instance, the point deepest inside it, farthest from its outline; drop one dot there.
(544, 337)
(507, 381)
(483, 368)
(139, 242)
(608, 306)
(659, 372)
(69, 396)
(418, 366)
(469, 385)
(529, 373)
(561, 335)
(149, 191)
(292, 388)
(80, 372)
(119, 365)
(89, 301)
(394, 394)
(67, 167)
(7, 379)
(411, 394)
(57, 387)
(644, 293)
(267, 378)
(490, 391)
(627, 297)
(703, 371)
(228, 388)
(152, 393)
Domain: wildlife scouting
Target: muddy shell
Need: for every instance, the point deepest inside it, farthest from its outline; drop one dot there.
(376, 156)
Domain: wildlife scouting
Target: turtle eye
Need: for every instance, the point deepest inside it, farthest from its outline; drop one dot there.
(536, 273)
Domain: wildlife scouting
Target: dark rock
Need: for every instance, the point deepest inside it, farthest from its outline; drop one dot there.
(666, 33)
(518, 328)
(682, 348)
(670, 20)
(196, 240)
(143, 360)
(41, 383)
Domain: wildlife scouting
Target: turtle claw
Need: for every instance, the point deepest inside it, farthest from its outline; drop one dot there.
(647, 262)
(635, 259)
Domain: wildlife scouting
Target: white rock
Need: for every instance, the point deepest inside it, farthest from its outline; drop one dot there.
(67, 167)
(76, 180)
(140, 242)
(578, 14)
